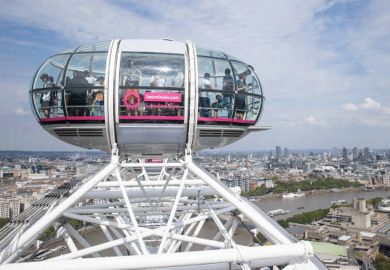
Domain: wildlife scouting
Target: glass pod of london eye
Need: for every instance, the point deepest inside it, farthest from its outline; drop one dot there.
(148, 97)
(139, 99)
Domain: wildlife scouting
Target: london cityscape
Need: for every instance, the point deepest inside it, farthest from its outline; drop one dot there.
(355, 207)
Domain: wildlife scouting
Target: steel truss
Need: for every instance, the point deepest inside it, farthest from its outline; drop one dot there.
(153, 215)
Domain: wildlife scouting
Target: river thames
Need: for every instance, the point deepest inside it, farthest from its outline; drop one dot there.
(315, 201)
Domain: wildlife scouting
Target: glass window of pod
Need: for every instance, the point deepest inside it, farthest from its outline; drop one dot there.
(245, 76)
(86, 69)
(85, 76)
(241, 69)
(216, 85)
(142, 74)
(47, 93)
(51, 72)
(151, 70)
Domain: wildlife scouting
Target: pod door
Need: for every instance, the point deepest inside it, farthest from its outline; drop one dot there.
(150, 103)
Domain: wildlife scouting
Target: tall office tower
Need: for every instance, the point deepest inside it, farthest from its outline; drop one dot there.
(286, 152)
(355, 153)
(366, 154)
(278, 151)
(345, 155)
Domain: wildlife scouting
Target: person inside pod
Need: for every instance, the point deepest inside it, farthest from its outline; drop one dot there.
(240, 99)
(77, 89)
(132, 77)
(204, 97)
(228, 85)
(48, 97)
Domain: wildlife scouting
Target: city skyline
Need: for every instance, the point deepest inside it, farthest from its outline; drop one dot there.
(322, 64)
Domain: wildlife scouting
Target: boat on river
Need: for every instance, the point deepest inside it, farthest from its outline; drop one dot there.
(293, 195)
(338, 202)
(277, 212)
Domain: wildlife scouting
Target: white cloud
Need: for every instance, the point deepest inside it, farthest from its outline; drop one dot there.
(350, 107)
(367, 104)
(21, 111)
(315, 121)
(311, 120)
(370, 103)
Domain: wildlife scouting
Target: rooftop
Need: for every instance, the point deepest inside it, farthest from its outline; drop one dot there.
(328, 249)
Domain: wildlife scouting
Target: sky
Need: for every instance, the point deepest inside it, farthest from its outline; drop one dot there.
(324, 65)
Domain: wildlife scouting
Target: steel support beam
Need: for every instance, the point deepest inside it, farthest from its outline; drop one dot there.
(267, 255)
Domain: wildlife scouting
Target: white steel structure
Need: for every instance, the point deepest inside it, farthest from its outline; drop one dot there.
(152, 206)
(152, 216)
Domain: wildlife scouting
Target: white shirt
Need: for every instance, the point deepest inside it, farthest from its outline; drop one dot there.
(90, 79)
(158, 81)
(179, 80)
(205, 84)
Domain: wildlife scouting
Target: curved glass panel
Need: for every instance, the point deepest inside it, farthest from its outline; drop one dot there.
(48, 103)
(246, 77)
(96, 47)
(252, 107)
(84, 84)
(47, 94)
(51, 72)
(151, 87)
(210, 53)
(216, 89)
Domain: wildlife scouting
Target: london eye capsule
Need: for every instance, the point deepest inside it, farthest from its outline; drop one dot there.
(147, 97)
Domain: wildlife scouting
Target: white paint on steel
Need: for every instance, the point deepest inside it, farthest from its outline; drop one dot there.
(11, 253)
(249, 211)
(153, 46)
(193, 98)
(111, 78)
(130, 212)
(182, 219)
(269, 255)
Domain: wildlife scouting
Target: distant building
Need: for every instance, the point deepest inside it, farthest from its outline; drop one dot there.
(9, 207)
(243, 183)
(278, 152)
(355, 153)
(345, 155)
(366, 154)
(310, 166)
(268, 183)
(358, 216)
(286, 152)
